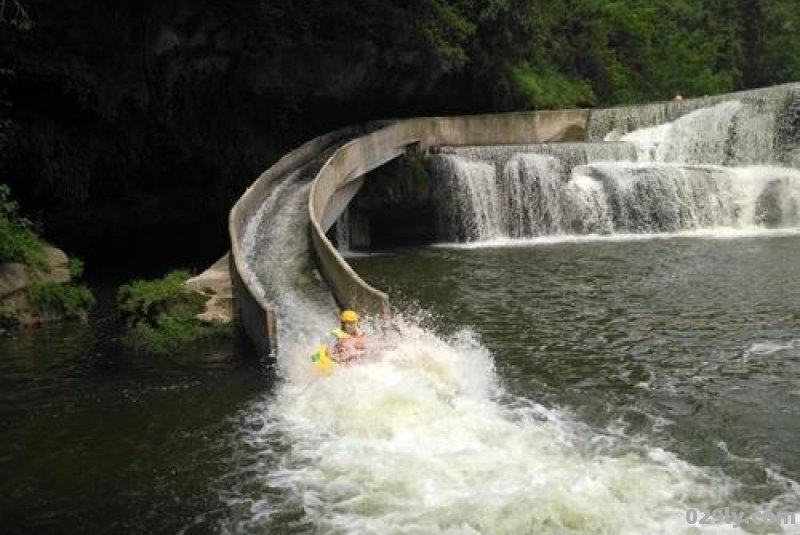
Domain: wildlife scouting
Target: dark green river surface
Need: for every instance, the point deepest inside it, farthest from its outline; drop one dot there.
(98, 439)
(693, 343)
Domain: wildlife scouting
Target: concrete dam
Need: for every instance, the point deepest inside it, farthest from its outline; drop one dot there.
(719, 161)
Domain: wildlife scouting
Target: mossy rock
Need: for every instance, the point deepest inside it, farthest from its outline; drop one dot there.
(43, 294)
(161, 314)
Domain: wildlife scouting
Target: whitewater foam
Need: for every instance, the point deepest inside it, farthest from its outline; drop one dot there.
(723, 233)
(422, 438)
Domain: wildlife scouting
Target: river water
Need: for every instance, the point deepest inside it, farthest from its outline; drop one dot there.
(540, 386)
(678, 355)
(99, 439)
(535, 379)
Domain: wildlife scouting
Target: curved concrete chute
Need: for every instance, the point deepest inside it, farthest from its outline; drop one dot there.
(344, 167)
(255, 309)
(368, 152)
(339, 159)
(329, 169)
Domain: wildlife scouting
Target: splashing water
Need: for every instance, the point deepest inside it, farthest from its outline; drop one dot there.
(423, 439)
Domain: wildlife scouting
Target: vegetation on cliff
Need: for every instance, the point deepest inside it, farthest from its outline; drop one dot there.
(129, 126)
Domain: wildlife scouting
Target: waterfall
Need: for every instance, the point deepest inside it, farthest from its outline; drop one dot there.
(612, 123)
(649, 198)
(730, 133)
(572, 154)
(471, 208)
(726, 161)
(423, 437)
(541, 196)
(533, 198)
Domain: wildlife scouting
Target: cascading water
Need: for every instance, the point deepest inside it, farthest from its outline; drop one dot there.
(612, 123)
(541, 198)
(679, 176)
(572, 154)
(730, 133)
(647, 198)
(534, 196)
(472, 210)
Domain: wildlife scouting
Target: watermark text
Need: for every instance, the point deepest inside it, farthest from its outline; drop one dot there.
(726, 516)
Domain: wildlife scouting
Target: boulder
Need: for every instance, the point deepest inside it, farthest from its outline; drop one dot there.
(16, 277)
(57, 267)
(18, 306)
(13, 277)
(215, 285)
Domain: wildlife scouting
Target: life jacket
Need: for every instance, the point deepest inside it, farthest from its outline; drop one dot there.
(342, 336)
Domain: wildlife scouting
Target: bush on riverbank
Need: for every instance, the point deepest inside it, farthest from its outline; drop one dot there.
(18, 239)
(73, 301)
(161, 314)
(39, 278)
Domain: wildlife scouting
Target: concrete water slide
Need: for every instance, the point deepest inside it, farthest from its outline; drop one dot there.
(340, 159)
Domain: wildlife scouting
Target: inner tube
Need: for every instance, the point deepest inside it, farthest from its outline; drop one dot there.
(321, 361)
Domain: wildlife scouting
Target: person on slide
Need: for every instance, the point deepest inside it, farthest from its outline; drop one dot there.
(347, 344)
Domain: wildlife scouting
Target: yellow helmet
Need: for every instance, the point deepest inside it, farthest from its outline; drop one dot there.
(348, 316)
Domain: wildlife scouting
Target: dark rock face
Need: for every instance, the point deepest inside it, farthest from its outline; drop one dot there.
(126, 125)
(397, 206)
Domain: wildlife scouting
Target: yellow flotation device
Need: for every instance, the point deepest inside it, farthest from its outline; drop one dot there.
(321, 361)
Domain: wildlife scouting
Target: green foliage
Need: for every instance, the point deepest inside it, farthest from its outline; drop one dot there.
(145, 300)
(75, 267)
(446, 32)
(550, 88)
(74, 300)
(18, 239)
(160, 314)
(171, 332)
(561, 53)
(303, 68)
(19, 243)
